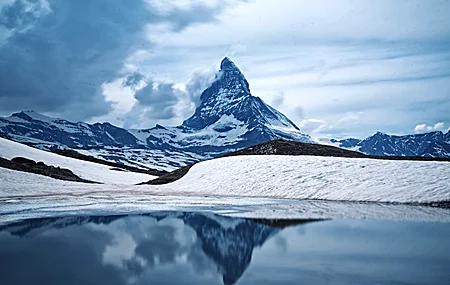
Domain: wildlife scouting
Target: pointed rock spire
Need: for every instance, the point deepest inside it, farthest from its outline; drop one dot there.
(227, 64)
(224, 97)
(229, 98)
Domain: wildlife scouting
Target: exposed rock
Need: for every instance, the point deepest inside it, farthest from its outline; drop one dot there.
(31, 166)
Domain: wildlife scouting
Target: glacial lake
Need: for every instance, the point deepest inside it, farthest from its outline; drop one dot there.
(204, 248)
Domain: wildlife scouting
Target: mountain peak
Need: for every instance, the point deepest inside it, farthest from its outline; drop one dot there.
(232, 76)
(227, 64)
(229, 104)
(223, 97)
(32, 115)
(380, 134)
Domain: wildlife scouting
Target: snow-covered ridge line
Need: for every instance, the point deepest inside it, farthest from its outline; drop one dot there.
(84, 169)
(228, 118)
(318, 178)
(431, 144)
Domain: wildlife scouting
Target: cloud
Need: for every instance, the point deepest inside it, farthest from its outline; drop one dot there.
(143, 245)
(423, 128)
(57, 56)
(198, 81)
(278, 100)
(42, 250)
(311, 126)
(129, 250)
(22, 14)
(376, 57)
(134, 80)
(236, 48)
(157, 93)
(341, 125)
(281, 243)
(167, 103)
(155, 102)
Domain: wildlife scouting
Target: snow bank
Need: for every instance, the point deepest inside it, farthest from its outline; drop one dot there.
(17, 183)
(324, 178)
(291, 177)
(84, 169)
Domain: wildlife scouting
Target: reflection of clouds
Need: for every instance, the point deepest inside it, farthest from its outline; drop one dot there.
(140, 244)
(133, 250)
(120, 251)
(57, 255)
(129, 250)
(161, 247)
(301, 231)
(281, 243)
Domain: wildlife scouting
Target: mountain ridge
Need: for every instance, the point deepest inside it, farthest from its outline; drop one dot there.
(228, 118)
(430, 144)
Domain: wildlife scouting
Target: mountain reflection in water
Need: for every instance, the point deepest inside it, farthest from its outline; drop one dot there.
(120, 249)
(201, 248)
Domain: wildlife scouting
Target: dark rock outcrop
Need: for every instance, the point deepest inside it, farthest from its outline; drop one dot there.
(31, 166)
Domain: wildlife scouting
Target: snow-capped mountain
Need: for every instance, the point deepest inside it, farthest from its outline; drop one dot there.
(228, 103)
(30, 124)
(228, 118)
(432, 144)
(101, 140)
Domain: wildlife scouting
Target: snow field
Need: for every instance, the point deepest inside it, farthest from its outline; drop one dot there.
(84, 169)
(323, 178)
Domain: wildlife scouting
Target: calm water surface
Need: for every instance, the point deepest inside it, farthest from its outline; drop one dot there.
(196, 248)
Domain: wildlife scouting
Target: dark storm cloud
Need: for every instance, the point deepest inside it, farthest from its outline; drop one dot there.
(198, 82)
(162, 93)
(61, 60)
(133, 80)
(158, 101)
(159, 98)
(21, 13)
(161, 246)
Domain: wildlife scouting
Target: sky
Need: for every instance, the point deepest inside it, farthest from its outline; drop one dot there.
(338, 69)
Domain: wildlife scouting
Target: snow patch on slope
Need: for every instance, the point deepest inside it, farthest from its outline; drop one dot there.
(84, 169)
(324, 178)
(226, 130)
(17, 183)
(145, 158)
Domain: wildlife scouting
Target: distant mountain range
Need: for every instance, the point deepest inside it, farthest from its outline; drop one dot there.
(432, 144)
(227, 119)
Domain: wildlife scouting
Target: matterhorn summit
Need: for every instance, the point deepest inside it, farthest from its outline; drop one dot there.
(229, 99)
